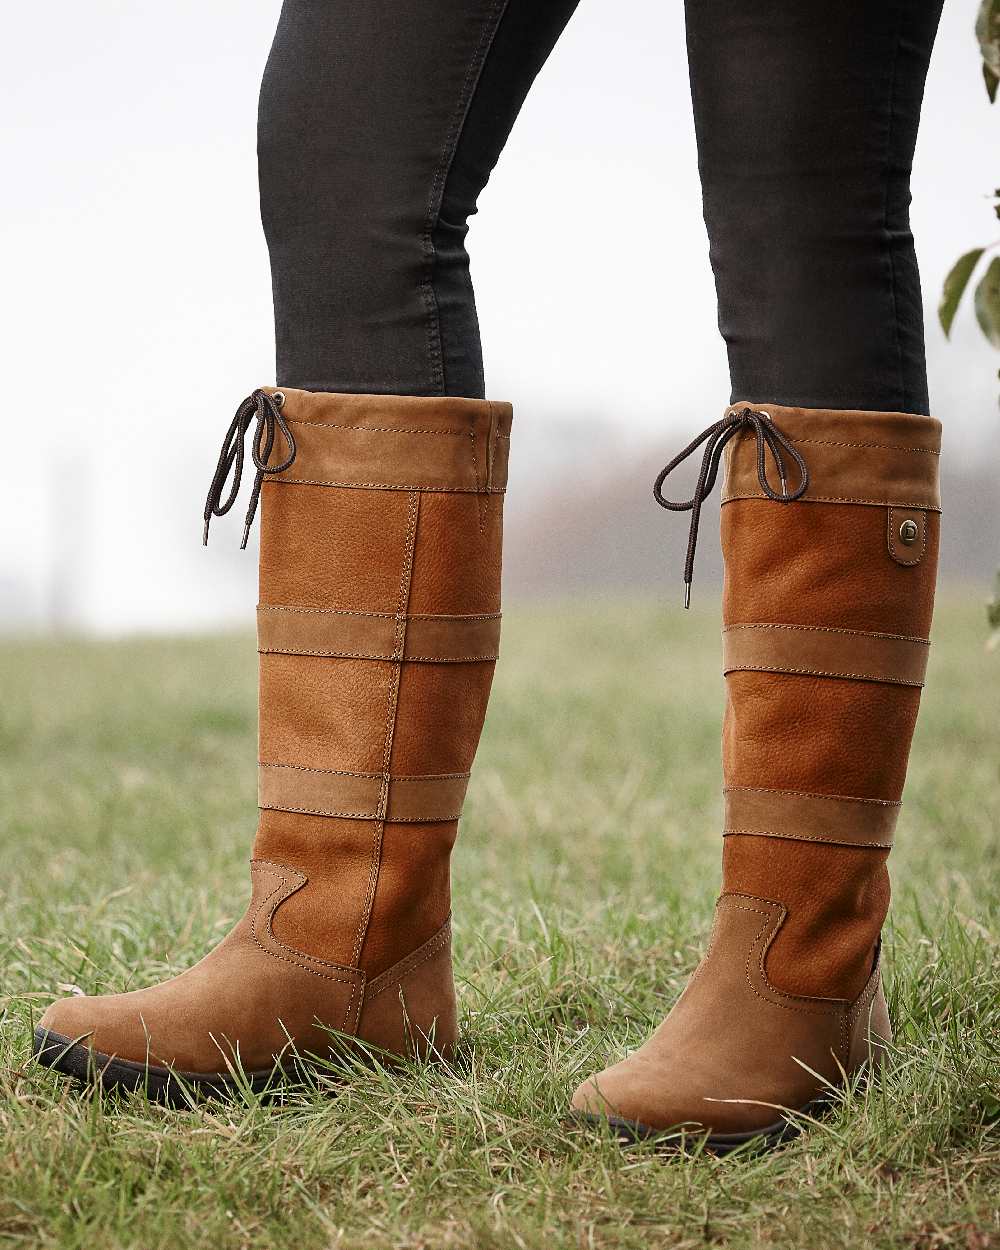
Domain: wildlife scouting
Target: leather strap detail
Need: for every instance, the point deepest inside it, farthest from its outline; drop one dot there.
(361, 796)
(825, 652)
(452, 639)
(376, 636)
(906, 535)
(804, 817)
(392, 442)
(878, 458)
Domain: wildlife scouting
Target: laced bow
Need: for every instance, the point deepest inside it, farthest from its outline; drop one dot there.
(715, 438)
(267, 411)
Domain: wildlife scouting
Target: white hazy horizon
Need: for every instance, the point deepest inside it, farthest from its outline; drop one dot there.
(137, 292)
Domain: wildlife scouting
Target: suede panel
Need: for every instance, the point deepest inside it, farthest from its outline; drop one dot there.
(456, 565)
(440, 717)
(335, 855)
(411, 1007)
(803, 733)
(317, 712)
(837, 898)
(797, 732)
(413, 898)
(327, 548)
(823, 564)
(398, 442)
(830, 566)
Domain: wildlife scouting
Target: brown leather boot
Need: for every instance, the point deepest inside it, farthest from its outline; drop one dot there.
(828, 597)
(378, 629)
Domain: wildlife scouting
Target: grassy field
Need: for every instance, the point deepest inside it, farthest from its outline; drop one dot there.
(585, 878)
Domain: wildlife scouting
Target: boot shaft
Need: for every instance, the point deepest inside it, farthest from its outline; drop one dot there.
(827, 610)
(379, 625)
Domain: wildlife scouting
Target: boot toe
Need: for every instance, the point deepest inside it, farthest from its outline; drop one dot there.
(628, 1092)
(72, 1018)
(96, 1022)
(646, 1097)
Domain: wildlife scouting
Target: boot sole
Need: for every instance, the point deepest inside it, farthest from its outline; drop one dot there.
(176, 1089)
(162, 1085)
(769, 1137)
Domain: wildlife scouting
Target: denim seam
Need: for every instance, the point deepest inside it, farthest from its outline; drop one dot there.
(434, 344)
(893, 297)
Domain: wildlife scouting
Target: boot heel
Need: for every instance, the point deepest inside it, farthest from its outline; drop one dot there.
(410, 1009)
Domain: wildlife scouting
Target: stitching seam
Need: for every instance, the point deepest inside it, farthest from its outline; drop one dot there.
(831, 629)
(819, 672)
(867, 995)
(432, 819)
(875, 503)
(327, 963)
(352, 981)
(890, 260)
(343, 772)
(392, 708)
(389, 616)
(809, 794)
(826, 442)
(283, 480)
(805, 837)
(477, 60)
(397, 978)
(330, 654)
(372, 429)
(790, 998)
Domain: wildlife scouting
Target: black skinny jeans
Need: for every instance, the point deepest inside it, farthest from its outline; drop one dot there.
(381, 121)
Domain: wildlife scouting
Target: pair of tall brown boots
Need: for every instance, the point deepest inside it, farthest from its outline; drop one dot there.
(378, 629)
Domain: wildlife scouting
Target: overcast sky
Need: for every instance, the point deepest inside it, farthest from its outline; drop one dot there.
(136, 309)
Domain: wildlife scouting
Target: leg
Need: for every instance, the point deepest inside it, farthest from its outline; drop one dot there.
(380, 551)
(806, 128)
(379, 126)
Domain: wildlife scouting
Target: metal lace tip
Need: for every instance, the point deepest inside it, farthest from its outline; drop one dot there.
(687, 594)
(246, 535)
(204, 534)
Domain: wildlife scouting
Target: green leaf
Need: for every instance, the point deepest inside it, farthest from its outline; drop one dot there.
(988, 34)
(991, 81)
(954, 286)
(988, 302)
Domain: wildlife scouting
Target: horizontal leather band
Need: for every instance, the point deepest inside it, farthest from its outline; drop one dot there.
(824, 652)
(421, 638)
(361, 796)
(397, 442)
(810, 817)
(885, 458)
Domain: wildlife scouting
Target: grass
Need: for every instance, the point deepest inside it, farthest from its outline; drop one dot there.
(585, 878)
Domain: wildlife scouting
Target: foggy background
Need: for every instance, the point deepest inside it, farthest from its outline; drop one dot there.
(136, 305)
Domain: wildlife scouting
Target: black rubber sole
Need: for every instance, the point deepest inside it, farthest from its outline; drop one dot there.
(770, 1137)
(179, 1089)
(162, 1085)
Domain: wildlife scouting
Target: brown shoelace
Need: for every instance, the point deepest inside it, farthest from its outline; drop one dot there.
(267, 411)
(715, 439)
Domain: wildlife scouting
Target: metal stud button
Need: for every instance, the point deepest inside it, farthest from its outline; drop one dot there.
(908, 533)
